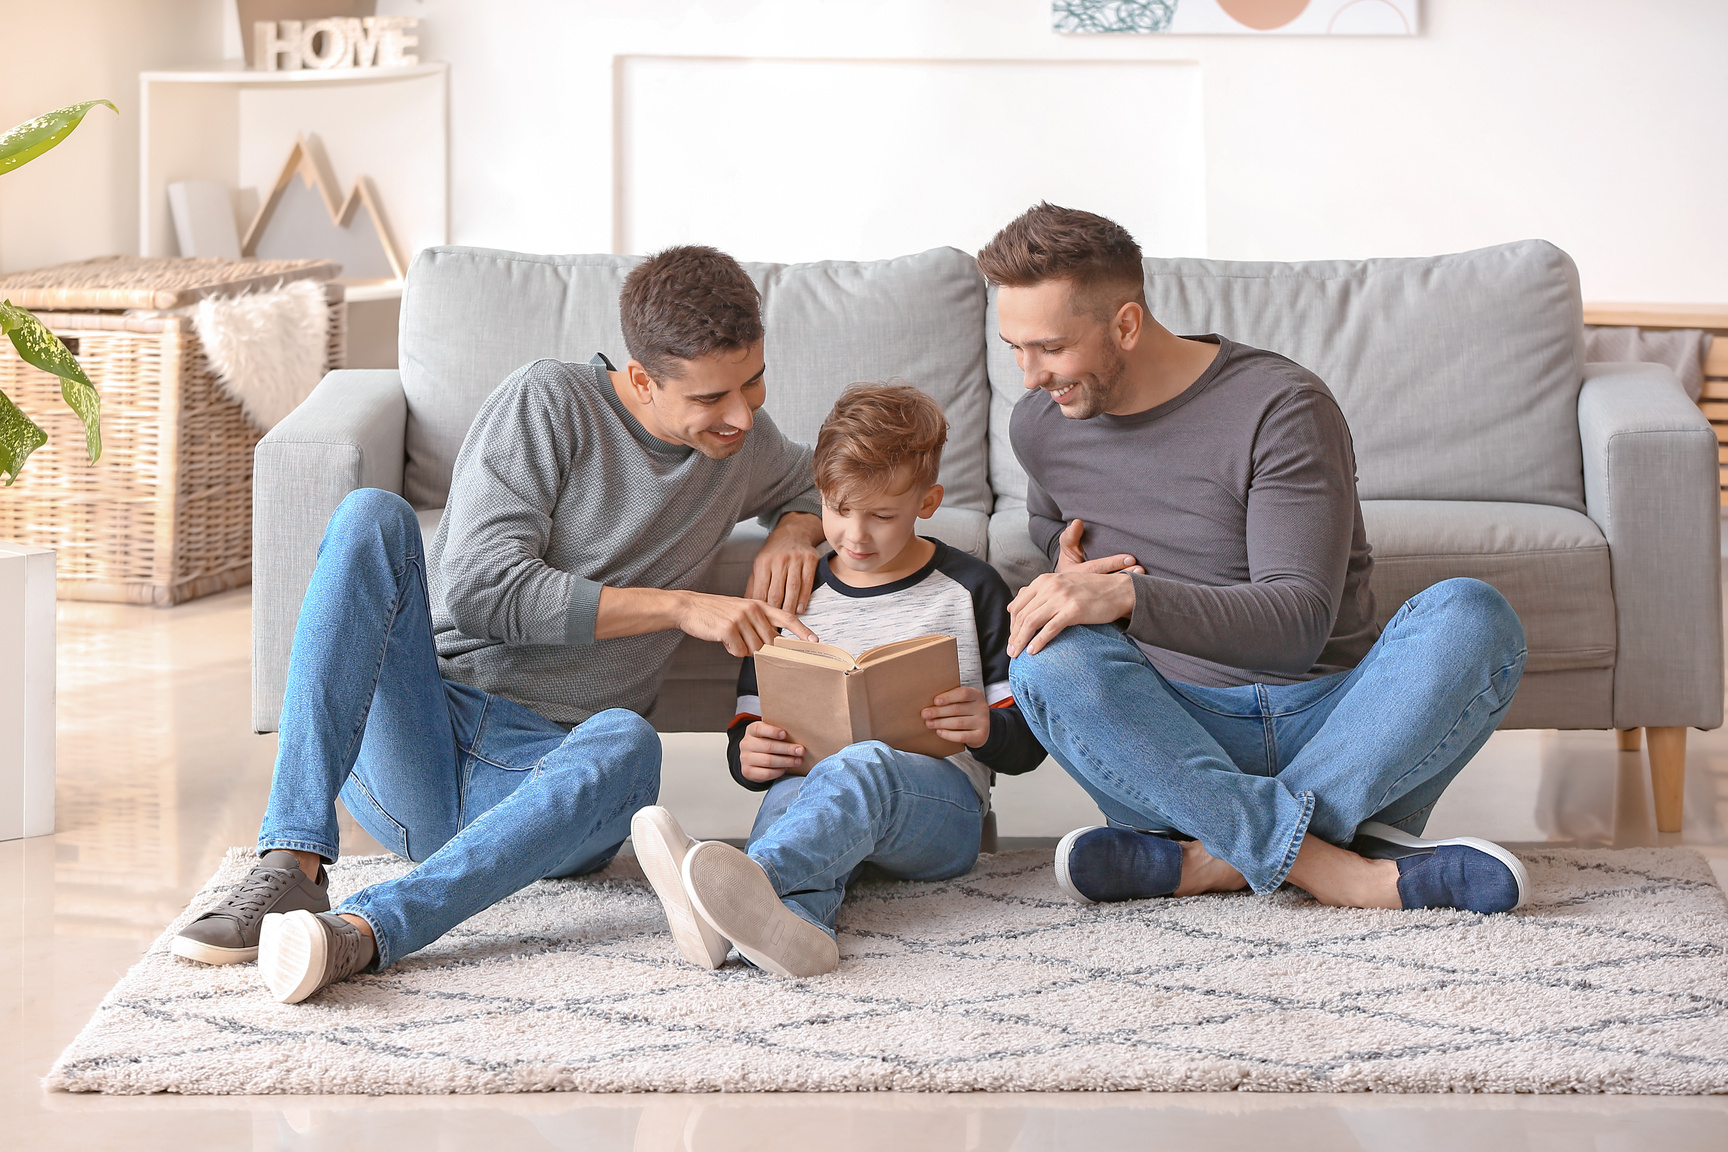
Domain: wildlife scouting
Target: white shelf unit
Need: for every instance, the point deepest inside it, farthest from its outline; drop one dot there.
(237, 127)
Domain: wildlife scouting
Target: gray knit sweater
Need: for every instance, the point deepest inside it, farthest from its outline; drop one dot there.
(558, 490)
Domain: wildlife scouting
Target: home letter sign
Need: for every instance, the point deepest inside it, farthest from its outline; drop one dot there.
(371, 42)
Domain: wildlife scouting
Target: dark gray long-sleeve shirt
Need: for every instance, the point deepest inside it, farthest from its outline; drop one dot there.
(1239, 498)
(558, 491)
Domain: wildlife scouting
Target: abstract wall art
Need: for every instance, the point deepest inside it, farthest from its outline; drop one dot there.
(1250, 17)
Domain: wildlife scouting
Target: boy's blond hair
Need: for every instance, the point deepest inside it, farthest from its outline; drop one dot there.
(873, 433)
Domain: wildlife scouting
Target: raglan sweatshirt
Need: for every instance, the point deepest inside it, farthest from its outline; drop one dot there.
(558, 491)
(953, 594)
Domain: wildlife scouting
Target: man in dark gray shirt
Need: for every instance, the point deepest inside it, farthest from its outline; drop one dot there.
(1214, 678)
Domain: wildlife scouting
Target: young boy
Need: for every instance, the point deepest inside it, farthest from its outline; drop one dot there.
(915, 817)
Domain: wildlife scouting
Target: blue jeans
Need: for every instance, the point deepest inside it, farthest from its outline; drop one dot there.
(915, 817)
(486, 796)
(1249, 771)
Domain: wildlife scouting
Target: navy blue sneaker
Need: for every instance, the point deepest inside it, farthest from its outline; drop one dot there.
(1104, 865)
(1464, 872)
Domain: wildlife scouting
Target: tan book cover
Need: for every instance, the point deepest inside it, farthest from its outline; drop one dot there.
(826, 698)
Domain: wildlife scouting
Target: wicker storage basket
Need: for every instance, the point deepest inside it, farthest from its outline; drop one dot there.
(166, 514)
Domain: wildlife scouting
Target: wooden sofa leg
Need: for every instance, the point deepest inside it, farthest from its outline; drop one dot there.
(1668, 775)
(1631, 739)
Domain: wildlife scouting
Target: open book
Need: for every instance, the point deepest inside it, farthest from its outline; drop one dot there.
(825, 698)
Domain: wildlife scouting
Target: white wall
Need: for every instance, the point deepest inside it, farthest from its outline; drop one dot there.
(1595, 123)
(81, 199)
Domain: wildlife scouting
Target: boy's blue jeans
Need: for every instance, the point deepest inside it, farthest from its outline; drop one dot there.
(915, 817)
(1249, 771)
(486, 796)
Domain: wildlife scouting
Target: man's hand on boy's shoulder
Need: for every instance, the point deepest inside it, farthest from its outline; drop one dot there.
(1080, 591)
(766, 753)
(785, 569)
(960, 715)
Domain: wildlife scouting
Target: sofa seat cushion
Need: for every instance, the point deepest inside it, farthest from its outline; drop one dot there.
(1550, 563)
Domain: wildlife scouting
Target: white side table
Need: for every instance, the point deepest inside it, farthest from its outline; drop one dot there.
(26, 691)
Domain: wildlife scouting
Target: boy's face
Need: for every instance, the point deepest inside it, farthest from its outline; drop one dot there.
(870, 533)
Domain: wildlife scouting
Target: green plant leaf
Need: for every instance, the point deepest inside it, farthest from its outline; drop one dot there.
(34, 137)
(19, 437)
(42, 348)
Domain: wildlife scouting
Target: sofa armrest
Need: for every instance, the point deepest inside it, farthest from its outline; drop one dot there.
(348, 434)
(1651, 484)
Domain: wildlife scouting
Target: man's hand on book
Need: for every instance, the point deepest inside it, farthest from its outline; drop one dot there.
(962, 716)
(741, 625)
(765, 753)
(785, 569)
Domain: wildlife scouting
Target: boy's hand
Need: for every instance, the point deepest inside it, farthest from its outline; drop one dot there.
(765, 753)
(960, 715)
(742, 625)
(784, 571)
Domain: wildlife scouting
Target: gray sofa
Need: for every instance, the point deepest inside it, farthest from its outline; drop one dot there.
(1486, 447)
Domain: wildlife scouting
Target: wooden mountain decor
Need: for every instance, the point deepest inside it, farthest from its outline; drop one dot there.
(302, 219)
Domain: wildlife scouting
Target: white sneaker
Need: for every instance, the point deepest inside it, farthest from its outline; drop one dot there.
(731, 892)
(660, 848)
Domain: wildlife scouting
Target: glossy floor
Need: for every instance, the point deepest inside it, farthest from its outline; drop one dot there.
(159, 773)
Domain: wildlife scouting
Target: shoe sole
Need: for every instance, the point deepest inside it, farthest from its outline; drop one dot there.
(1391, 835)
(731, 892)
(1063, 880)
(654, 831)
(293, 953)
(190, 949)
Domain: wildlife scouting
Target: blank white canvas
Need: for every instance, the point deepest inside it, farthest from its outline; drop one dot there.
(793, 160)
(203, 212)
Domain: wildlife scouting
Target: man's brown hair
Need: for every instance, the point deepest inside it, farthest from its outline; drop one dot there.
(686, 303)
(1094, 254)
(873, 432)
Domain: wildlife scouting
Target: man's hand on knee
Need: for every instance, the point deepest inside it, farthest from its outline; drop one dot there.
(1056, 600)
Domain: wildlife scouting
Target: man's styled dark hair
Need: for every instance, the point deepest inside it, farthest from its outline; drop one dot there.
(1094, 254)
(686, 303)
(873, 433)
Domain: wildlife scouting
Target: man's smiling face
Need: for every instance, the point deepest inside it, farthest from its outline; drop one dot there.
(1061, 349)
(710, 405)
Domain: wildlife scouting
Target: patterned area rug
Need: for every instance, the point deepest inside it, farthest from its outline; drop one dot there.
(1615, 979)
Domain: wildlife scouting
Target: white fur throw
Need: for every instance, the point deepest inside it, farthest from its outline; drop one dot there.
(267, 348)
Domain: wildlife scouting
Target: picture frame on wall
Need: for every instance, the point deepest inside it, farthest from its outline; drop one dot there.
(1238, 17)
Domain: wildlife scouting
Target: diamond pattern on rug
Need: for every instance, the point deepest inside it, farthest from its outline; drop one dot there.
(1613, 979)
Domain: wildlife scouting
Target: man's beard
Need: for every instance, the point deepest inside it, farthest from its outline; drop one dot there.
(1100, 394)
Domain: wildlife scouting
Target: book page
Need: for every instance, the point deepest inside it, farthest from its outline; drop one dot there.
(884, 652)
(830, 652)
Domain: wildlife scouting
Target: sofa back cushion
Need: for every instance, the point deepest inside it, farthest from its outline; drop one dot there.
(1459, 374)
(471, 316)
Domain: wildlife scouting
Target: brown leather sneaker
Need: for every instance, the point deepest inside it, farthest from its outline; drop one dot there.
(228, 933)
(301, 952)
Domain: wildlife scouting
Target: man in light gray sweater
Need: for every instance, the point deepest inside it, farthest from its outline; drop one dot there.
(1215, 677)
(478, 705)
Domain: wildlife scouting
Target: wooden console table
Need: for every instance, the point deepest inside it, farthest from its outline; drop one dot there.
(1668, 745)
